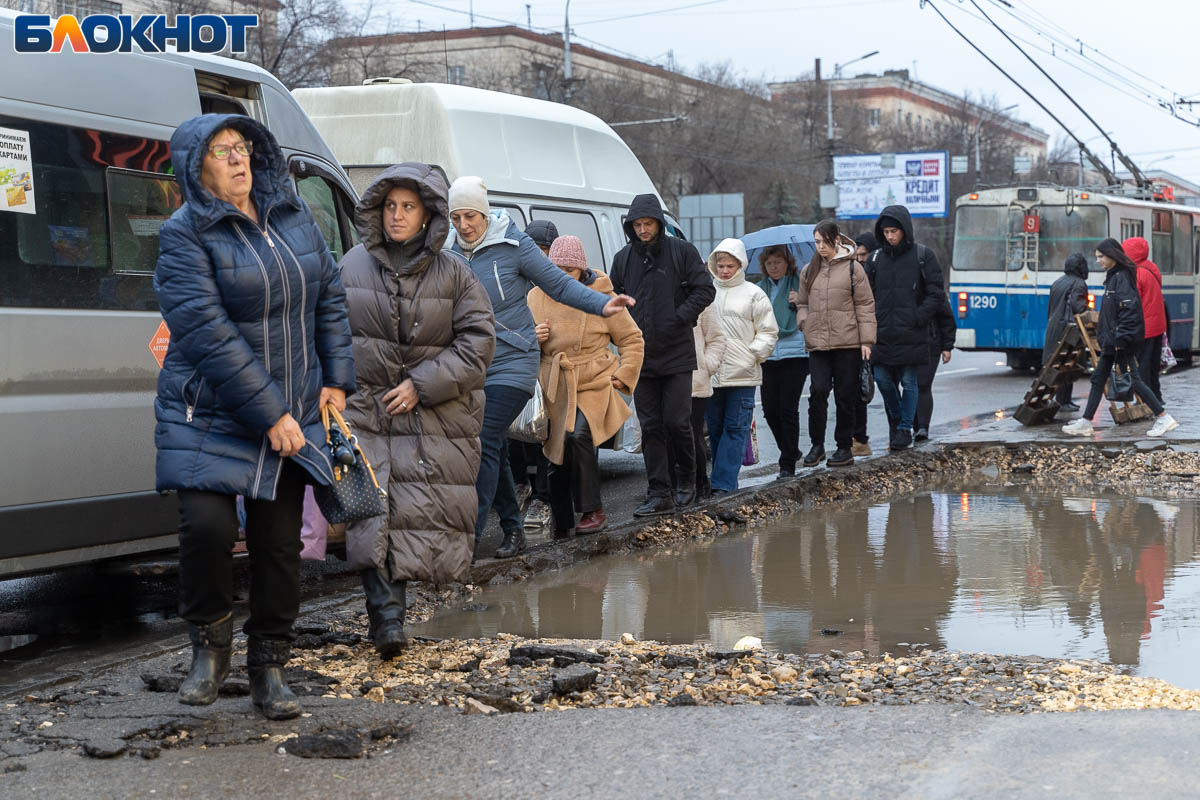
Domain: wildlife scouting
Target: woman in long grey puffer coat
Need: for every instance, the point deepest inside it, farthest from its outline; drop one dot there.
(423, 339)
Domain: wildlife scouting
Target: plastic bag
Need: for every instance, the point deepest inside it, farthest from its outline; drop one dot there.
(631, 433)
(1168, 355)
(314, 530)
(751, 456)
(533, 423)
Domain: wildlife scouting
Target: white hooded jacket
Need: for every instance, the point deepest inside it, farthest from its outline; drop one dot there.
(747, 319)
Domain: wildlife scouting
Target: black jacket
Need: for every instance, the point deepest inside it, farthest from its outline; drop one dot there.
(1068, 297)
(669, 280)
(907, 282)
(1121, 323)
(942, 331)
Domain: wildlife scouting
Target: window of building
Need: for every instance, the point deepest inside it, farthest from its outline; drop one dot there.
(908, 119)
(899, 116)
(1161, 242)
(581, 224)
(81, 8)
(100, 199)
(873, 115)
(456, 75)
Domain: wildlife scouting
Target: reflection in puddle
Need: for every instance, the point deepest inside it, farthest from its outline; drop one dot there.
(1111, 578)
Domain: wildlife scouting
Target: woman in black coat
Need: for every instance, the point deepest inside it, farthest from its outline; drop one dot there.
(1120, 336)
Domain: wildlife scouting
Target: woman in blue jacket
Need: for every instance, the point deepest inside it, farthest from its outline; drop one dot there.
(260, 342)
(509, 265)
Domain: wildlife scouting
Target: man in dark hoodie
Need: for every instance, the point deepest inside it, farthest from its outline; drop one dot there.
(669, 280)
(908, 285)
(1068, 297)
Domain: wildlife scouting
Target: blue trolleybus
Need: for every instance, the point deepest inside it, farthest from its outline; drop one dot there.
(1010, 245)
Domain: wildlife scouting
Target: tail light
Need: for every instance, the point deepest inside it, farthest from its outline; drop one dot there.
(962, 304)
(1092, 302)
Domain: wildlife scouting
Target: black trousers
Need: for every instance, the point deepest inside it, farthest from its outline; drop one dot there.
(522, 456)
(925, 375)
(208, 529)
(575, 483)
(836, 370)
(666, 430)
(700, 442)
(782, 385)
(1100, 377)
(860, 413)
(1151, 365)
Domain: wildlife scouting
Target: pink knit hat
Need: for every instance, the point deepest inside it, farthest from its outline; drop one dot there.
(567, 251)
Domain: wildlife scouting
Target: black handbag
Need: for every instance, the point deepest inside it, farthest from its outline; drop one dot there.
(866, 381)
(354, 494)
(1120, 386)
(866, 373)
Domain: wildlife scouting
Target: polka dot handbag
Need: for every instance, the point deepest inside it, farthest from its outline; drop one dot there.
(355, 494)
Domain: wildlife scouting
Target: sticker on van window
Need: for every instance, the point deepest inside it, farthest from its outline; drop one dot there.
(16, 172)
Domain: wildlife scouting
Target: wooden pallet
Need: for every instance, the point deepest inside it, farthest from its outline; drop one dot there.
(1066, 363)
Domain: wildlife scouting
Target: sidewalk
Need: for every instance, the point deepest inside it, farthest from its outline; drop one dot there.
(1181, 391)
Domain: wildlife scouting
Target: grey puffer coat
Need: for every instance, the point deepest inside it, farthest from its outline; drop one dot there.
(417, 312)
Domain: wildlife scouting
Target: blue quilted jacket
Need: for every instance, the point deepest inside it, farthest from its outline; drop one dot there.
(258, 323)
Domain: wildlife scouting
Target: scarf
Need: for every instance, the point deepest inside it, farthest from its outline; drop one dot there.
(785, 316)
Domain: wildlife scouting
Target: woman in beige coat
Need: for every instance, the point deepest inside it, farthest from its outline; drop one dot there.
(581, 378)
(836, 311)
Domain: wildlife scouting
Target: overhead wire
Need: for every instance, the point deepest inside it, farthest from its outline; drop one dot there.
(1129, 164)
(1107, 64)
(1096, 162)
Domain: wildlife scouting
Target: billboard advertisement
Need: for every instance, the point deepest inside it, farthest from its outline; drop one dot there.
(869, 183)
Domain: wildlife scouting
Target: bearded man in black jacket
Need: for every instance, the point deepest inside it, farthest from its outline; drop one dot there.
(671, 285)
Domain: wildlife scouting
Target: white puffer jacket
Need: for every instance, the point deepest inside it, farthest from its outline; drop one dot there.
(710, 351)
(747, 319)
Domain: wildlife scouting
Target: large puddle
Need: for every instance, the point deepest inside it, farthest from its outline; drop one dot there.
(1111, 578)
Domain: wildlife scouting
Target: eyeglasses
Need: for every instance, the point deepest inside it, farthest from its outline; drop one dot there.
(223, 151)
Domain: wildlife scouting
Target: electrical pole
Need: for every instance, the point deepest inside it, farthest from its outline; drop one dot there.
(471, 12)
(529, 16)
(837, 71)
(567, 46)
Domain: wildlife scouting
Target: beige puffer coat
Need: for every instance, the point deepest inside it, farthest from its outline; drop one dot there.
(419, 312)
(747, 319)
(832, 314)
(710, 349)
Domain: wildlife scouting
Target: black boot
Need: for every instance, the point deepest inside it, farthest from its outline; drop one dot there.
(816, 455)
(269, 691)
(211, 645)
(385, 608)
(513, 544)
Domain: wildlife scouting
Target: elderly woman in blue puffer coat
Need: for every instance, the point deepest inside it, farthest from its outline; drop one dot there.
(260, 342)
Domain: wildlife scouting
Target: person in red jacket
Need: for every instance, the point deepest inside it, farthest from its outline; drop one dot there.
(1149, 285)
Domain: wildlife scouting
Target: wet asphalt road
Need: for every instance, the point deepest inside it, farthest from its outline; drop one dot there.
(45, 619)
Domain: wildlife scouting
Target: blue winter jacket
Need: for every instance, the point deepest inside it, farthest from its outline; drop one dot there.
(509, 265)
(258, 323)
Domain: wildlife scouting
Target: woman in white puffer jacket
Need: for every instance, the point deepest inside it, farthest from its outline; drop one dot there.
(750, 332)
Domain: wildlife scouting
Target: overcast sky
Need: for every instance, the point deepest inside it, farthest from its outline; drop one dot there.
(1136, 51)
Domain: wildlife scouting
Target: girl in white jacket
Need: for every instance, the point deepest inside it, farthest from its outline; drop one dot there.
(750, 332)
